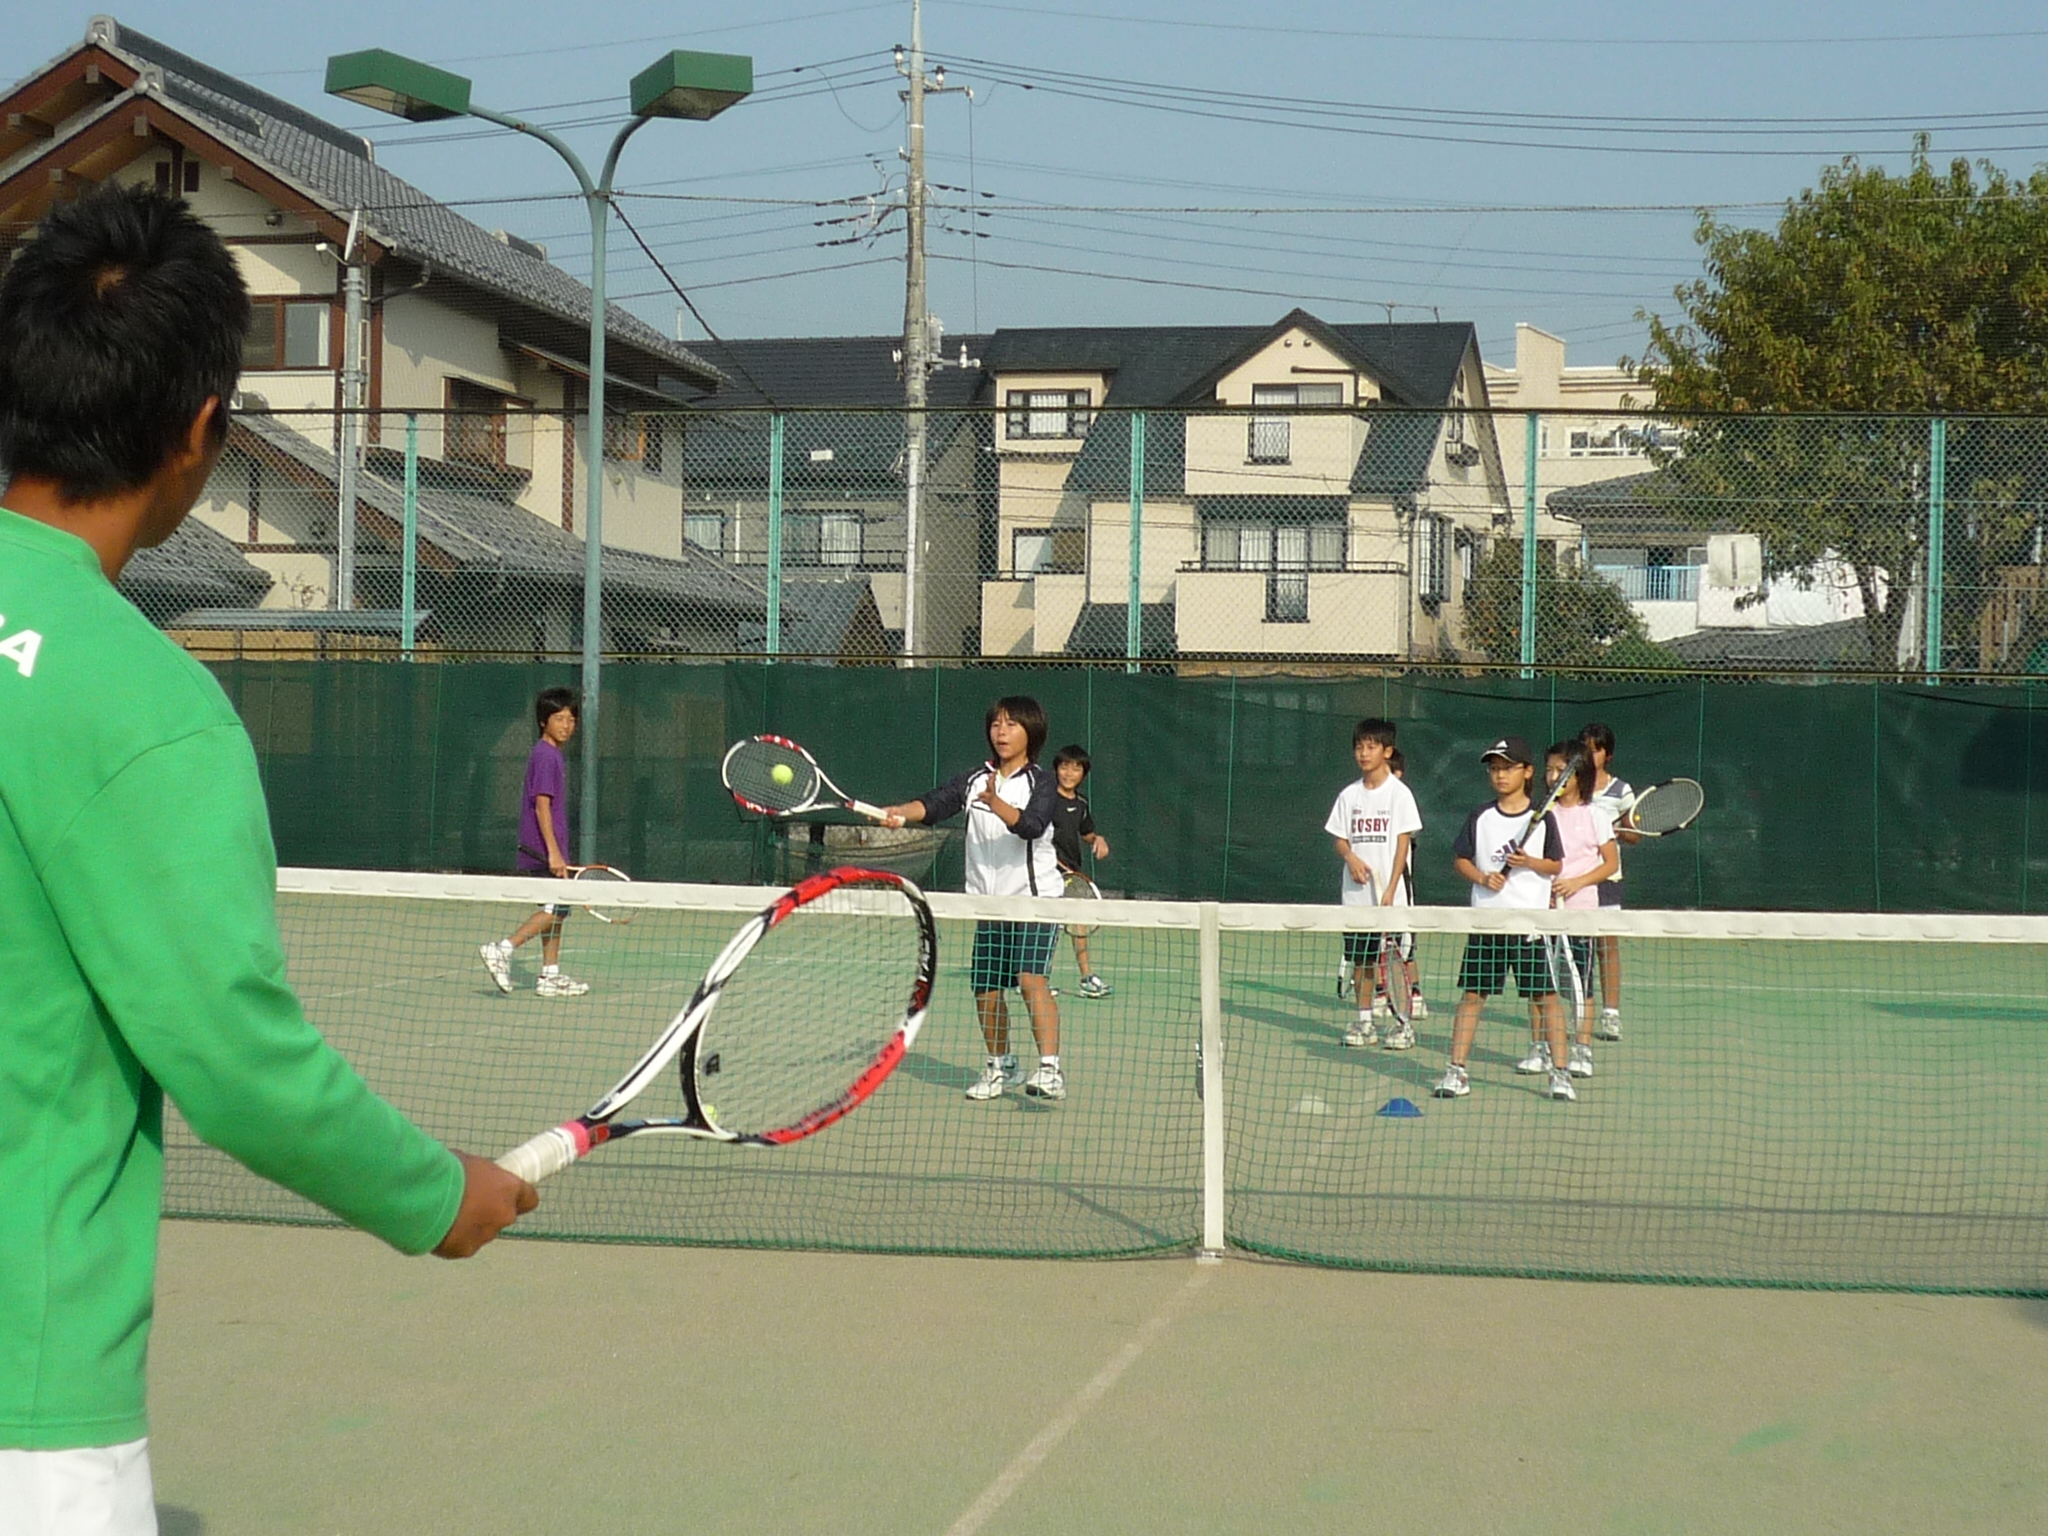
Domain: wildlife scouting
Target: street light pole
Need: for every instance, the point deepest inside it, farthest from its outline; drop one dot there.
(697, 86)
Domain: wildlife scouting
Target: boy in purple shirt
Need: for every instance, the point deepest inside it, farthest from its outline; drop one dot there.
(543, 837)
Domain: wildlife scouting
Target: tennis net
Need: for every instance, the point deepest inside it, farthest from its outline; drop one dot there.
(1796, 1099)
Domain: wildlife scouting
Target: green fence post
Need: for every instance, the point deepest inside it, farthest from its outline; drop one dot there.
(774, 640)
(409, 554)
(1133, 612)
(1937, 534)
(1529, 551)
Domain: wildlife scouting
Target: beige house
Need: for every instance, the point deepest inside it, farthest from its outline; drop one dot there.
(476, 331)
(1308, 490)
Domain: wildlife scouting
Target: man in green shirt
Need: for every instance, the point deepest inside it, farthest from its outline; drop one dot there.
(137, 876)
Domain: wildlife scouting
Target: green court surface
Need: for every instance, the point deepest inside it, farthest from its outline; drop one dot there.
(1785, 1112)
(311, 1383)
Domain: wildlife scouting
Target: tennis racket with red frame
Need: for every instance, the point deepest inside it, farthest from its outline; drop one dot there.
(774, 776)
(803, 1015)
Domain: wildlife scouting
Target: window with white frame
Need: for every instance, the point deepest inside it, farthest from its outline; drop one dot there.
(1611, 441)
(705, 531)
(1432, 558)
(1053, 413)
(1271, 439)
(1466, 549)
(1454, 433)
(1286, 550)
(827, 538)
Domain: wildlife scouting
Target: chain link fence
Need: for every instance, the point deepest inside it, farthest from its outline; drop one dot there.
(1311, 538)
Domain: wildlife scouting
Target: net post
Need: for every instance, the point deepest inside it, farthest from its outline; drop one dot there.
(1211, 968)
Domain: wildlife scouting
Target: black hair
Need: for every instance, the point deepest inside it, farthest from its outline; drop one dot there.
(1025, 711)
(1073, 752)
(1397, 763)
(119, 319)
(551, 702)
(1585, 773)
(1374, 729)
(1598, 735)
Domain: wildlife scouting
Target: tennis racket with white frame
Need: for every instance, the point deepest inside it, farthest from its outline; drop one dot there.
(1664, 808)
(803, 1015)
(595, 877)
(774, 776)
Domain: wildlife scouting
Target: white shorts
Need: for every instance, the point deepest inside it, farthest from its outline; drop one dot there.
(101, 1490)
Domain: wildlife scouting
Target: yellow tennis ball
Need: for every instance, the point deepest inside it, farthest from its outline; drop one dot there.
(782, 773)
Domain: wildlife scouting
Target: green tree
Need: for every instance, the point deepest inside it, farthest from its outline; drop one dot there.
(1582, 619)
(1876, 302)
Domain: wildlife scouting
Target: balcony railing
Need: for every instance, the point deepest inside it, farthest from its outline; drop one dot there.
(1654, 583)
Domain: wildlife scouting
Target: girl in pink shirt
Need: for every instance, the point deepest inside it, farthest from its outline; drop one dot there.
(1590, 856)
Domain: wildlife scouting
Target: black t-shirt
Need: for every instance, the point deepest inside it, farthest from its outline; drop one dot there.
(1071, 822)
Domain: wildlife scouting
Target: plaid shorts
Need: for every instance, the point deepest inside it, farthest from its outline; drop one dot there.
(1362, 948)
(1490, 958)
(1005, 951)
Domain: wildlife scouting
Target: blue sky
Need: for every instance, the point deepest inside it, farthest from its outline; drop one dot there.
(1576, 218)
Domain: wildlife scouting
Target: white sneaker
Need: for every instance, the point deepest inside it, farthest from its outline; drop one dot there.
(1046, 1083)
(1538, 1059)
(1418, 1008)
(1581, 1063)
(1561, 1087)
(1362, 1033)
(1095, 986)
(1379, 1005)
(990, 1085)
(498, 961)
(1400, 1038)
(1454, 1084)
(559, 985)
(1609, 1027)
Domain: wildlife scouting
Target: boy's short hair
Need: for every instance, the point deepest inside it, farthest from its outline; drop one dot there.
(1025, 711)
(551, 702)
(118, 321)
(1586, 773)
(1598, 735)
(1073, 752)
(1374, 729)
(1397, 761)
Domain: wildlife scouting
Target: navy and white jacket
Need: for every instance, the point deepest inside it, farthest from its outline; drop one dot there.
(1003, 861)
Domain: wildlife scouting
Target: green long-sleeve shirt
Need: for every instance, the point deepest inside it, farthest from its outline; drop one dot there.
(138, 938)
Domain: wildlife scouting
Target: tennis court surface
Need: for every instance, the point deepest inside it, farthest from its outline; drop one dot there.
(1798, 1099)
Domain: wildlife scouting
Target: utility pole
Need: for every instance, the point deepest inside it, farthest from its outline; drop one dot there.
(916, 342)
(917, 330)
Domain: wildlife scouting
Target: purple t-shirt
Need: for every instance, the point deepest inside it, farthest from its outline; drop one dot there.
(545, 775)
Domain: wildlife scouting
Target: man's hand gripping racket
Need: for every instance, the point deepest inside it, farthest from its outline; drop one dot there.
(762, 1061)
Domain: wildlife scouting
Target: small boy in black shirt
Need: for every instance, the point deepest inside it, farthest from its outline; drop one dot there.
(1073, 828)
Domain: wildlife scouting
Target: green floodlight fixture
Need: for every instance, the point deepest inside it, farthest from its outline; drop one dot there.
(390, 82)
(692, 85)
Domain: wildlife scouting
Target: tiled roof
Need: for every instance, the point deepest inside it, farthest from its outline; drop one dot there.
(834, 615)
(478, 533)
(1103, 629)
(335, 169)
(194, 568)
(844, 371)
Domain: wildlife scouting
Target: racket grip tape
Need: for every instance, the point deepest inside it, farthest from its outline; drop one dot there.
(548, 1153)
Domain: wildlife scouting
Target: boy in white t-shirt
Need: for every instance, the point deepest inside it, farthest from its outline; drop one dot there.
(1489, 852)
(1371, 825)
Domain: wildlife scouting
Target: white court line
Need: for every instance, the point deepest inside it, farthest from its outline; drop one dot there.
(1046, 1441)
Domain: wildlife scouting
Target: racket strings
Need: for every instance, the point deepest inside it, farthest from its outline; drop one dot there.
(818, 998)
(1668, 807)
(750, 772)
